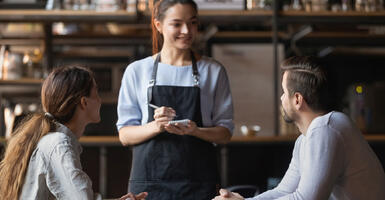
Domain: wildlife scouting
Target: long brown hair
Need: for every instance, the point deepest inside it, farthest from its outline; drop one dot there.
(60, 94)
(158, 13)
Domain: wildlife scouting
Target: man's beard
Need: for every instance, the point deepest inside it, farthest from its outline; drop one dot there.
(286, 117)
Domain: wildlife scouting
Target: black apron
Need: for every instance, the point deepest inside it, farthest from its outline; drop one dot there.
(171, 166)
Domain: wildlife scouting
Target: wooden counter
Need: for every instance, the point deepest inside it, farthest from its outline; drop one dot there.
(114, 140)
(239, 148)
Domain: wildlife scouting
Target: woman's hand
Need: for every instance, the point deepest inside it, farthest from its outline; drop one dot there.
(227, 195)
(140, 196)
(162, 116)
(181, 129)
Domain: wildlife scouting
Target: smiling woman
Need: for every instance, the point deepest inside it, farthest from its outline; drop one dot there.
(42, 159)
(174, 113)
(172, 21)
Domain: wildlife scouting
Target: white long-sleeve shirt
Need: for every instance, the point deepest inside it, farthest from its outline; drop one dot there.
(332, 161)
(54, 170)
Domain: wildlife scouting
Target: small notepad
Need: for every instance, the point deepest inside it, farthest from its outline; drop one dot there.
(183, 121)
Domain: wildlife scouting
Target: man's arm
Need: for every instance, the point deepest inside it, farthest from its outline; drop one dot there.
(322, 162)
(291, 179)
(287, 186)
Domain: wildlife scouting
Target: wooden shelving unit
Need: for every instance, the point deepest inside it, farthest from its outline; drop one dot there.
(20, 86)
(23, 81)
(47, 16)
(274, 18)
(227, 16)
(332, 17)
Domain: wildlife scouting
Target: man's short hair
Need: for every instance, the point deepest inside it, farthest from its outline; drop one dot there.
(307, 77)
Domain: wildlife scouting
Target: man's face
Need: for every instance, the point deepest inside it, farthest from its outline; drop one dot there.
(287, 102)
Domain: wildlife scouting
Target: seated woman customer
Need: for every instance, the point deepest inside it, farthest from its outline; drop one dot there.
(42, 158)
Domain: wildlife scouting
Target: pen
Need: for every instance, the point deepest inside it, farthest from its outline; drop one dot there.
(156, 107)
(153, 106)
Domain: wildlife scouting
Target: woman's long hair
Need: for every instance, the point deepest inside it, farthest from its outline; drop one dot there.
(60, 94)
(158, 13)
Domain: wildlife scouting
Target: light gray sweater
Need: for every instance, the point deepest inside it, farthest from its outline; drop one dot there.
(333, 161)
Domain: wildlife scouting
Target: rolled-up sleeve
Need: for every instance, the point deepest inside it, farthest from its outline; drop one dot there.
(223, 103)
(129, 112)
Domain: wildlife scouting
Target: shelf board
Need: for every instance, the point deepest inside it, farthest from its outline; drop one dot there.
(255, 13)
(100, 141)
(333, 14)
(342, 35)
(95, 53)
(206, 16)
(332, 17)
(20, 86)
(22, 42)
(66, 16)
(246, 34)
(262, 139)
(291, 138)
(22, 81)
(229, 17)
(234, 17)
(107, 41)
(339, 38)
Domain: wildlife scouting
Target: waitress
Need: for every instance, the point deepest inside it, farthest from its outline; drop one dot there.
(175, 161)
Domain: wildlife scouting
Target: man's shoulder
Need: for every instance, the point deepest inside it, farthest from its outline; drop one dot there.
(332, 124)
(329, 119)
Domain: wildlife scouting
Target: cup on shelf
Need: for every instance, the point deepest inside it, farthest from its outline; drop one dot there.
(250, 130)
(346, 5)
(297, 5)
(319, 5)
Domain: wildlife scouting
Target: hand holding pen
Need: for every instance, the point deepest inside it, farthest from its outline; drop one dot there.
(163, 111)
(181, 127)
(162, 115)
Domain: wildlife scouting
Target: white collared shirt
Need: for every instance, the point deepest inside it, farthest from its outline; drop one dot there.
(54, 170)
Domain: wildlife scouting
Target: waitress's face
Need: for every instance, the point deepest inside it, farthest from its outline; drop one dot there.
(179, 26)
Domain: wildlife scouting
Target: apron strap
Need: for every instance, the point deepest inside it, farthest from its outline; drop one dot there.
(153, 78)
(195, 70)
(152, 81)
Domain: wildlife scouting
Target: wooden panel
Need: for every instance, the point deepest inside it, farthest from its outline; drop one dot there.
(65, 16)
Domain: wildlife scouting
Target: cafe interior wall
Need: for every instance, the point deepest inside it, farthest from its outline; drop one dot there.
(250, 70)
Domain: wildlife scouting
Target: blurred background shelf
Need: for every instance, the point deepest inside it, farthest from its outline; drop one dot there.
(354, 17)
(73, 16)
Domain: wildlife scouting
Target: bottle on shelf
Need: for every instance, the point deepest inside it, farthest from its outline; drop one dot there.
(10, 65)
(297, 5)
(32, 63)
(369, 5)
(346, 5)
(258, 5)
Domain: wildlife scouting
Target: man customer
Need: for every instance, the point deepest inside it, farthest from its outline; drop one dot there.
(331, 159)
